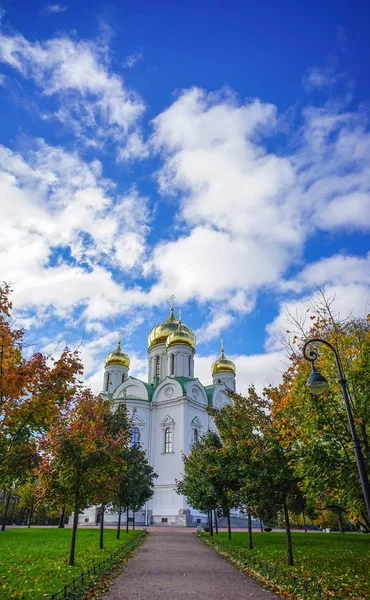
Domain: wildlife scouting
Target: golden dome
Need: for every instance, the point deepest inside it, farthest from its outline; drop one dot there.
(117, 357)
(223, 364)
(160, 333)
(182, 335)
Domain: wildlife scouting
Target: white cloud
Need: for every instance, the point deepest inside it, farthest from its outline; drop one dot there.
(319, 78)
(63, 228)
(339, 269)
(76, 73)
(213, 328)
(132, 59)
(345, 279)
(246, 211)
(55, 8)
(257, 369)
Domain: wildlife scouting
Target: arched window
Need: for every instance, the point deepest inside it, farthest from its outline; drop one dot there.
(168, 439)
(196, 435)
(123, 378)
(158, 366)
(108, 377)
(172, 364)
(135, 436)
(189, 365)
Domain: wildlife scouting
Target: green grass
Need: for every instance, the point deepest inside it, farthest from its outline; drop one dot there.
(34, 562)
(340, 563)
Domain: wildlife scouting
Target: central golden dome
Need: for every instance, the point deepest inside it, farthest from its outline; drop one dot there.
(160, 333)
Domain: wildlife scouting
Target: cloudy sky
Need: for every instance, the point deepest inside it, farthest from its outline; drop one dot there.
(219, 152)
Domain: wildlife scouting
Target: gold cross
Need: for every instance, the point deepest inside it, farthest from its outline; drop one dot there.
(222, 344)
(172, 298)
(180, 314)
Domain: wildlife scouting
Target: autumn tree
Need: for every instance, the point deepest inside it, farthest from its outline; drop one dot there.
(79, 448)
(33, 391)
(314, 430)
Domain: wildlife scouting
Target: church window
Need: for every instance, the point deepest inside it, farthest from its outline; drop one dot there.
(158, 366)
(172, 364)
(135, 436)
(189, 365)
(196, 435)
(168, 440)
(123, 378)
(108, 377)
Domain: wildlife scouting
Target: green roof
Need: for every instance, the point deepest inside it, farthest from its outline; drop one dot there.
(184, 382)
(209, 391)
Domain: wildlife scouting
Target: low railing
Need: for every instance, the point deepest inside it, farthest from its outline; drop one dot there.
(78, 586)
(303, 588)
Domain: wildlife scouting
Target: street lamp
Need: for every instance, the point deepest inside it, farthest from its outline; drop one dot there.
(317, 385)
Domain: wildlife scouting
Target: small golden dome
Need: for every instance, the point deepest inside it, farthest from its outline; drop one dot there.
(182, 335)
(117, 357)
(223, 364)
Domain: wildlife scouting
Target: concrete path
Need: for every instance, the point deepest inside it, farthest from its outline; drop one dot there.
(174, 565)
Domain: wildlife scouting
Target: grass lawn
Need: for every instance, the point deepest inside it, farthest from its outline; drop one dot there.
(339, 562)
(33, 562)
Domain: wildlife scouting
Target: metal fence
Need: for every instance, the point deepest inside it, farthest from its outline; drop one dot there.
(78, 586)
(302, 588)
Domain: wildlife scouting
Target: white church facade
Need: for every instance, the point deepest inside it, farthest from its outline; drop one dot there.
(169, 414)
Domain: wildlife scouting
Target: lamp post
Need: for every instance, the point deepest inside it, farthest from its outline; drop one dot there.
(317, 384)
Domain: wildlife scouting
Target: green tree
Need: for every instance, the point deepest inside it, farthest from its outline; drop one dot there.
(266, 481)
(78, 448)
(210, 482)
(135, 486)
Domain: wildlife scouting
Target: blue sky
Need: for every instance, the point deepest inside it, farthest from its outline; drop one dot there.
(219, 152)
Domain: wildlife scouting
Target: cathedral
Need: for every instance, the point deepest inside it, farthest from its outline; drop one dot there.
(169, 414)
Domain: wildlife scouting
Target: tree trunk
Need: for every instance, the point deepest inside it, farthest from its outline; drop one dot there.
(250, 540)
(6, 512)
(216, 524)
(228, 524)
(133, 519)
(289, 546)
(30, 517)
(340, 522)
(62, 517)
(127, 511)
(304, 522)
(12, 511)
(210, 523)
(118, 533)
(261, 525)
(74, 531)
(101, 537)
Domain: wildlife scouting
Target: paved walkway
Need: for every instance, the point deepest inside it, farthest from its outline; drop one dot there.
(174, 565)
